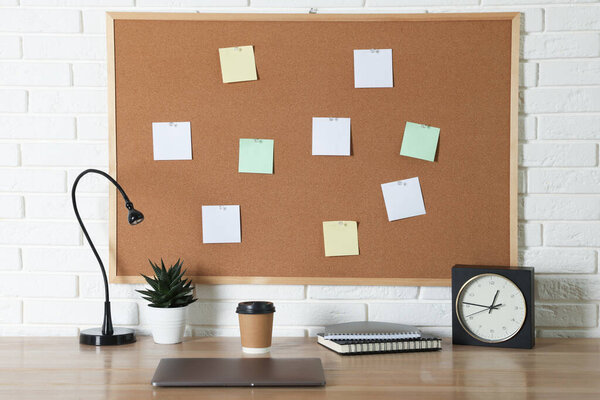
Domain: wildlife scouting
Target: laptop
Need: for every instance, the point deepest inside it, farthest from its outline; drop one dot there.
(250, 372)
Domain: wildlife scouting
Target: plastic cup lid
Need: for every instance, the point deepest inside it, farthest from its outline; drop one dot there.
(255, 307)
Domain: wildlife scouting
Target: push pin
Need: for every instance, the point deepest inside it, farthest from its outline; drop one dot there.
(374, 50)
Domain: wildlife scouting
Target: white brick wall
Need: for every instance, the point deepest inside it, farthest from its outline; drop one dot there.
(53, 124)
(10, 47)
(10, 259)
(11, 206)
(13, 101)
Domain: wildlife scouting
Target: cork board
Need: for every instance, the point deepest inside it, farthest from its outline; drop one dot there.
(458, 72)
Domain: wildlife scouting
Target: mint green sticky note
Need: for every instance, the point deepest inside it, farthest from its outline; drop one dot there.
(420, 141)
(256, 156)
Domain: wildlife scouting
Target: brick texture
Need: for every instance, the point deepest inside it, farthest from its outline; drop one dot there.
(53, 125)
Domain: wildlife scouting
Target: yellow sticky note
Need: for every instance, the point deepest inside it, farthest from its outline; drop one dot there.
(341, 238)
(237, 64)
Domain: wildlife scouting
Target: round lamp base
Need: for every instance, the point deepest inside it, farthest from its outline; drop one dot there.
(94, 337)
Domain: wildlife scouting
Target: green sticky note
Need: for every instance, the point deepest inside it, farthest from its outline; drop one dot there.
(256, 156)
(420, 141)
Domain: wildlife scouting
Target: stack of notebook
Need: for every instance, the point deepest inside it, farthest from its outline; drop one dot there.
(376, 337)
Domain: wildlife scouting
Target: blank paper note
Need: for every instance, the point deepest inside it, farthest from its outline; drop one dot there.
(221, 224)
(420, 141)
(331, 136)
(373, 68)
(237, 64)
(256, 156)
(172, 140)
(341, 238)
(403, 199)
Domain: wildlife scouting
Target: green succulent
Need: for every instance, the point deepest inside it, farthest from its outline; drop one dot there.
(168, 289)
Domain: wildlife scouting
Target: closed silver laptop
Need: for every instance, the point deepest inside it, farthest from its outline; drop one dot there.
(239, 372)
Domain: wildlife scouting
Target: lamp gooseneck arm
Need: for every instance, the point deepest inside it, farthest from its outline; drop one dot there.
(107, 328)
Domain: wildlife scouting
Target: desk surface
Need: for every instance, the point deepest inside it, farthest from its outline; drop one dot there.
(60, 368)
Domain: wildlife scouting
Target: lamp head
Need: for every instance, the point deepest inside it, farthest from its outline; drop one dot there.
(134, 217)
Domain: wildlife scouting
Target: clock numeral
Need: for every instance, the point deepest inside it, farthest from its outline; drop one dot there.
(504, 328)
(492, 283)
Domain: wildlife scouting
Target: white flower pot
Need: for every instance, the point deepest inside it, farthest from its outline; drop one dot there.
(167, 324)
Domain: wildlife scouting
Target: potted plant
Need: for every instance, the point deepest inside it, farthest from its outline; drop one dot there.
(169, 296)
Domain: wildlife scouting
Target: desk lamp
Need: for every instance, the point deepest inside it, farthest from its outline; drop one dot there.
(107, 335)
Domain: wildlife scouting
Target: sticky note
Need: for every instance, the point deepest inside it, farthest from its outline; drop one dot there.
(373, 68)
(331, 136)
(420, 141)
(256, 156)
(221, 224)
(403, 199)
(172, 140)
(341, 238)
(237, 64)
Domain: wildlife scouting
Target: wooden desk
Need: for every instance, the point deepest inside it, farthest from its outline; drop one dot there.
(60, 368)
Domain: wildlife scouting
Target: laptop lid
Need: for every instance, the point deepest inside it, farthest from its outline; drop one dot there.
(239, 372)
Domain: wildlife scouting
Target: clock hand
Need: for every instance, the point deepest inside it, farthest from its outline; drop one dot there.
(474, 304)
(477, 312)
(494, 301)
(496, 306)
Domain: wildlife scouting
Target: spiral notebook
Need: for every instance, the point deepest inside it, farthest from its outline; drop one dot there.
(376, 337)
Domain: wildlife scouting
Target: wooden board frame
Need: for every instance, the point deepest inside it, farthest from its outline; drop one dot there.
(112, 111)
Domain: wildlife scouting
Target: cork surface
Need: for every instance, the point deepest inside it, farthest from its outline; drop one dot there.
(451, 74)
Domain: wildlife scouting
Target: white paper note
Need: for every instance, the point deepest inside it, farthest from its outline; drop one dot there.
(403, 199)
(172, 140)
(331, 136)
(373, 68)
(221, 224)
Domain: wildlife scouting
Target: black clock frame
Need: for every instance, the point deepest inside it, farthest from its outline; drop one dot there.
(523, 277)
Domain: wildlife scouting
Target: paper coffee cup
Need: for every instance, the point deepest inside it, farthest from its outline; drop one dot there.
(256, 326)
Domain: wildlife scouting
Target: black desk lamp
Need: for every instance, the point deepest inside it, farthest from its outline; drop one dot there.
(107, 335)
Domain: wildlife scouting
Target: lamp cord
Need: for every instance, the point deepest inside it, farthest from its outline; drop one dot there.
(107, 328)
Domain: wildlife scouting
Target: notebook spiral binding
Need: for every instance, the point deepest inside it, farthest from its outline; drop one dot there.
(356, 347)
(376, 346)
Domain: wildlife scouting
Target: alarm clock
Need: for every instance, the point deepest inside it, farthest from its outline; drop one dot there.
(493, 306)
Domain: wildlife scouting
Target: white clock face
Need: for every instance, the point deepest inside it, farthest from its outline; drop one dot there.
(491, 308)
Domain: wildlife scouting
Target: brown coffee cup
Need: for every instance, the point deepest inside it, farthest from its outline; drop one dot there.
(256, 325)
